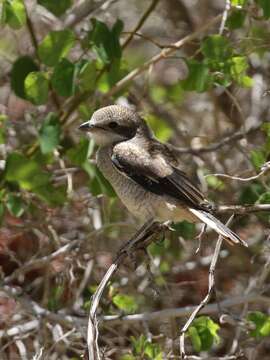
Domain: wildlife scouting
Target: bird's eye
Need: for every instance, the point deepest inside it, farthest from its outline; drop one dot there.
(113, 124)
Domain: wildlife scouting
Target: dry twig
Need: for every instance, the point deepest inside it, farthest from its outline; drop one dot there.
(211, 285)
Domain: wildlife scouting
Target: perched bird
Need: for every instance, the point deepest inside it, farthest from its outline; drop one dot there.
(145, 173)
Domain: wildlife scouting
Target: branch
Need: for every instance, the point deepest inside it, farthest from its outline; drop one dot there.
(162, 55)
(187, 310)
(84, 9)
(140, 23)
(211, 285)
(264, 169)
(242, 209)
(136, 72)
(225, 16)
(235, 136)
(139, 241)
(37, 263)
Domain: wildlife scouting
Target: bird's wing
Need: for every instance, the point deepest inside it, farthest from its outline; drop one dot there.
(153, 170)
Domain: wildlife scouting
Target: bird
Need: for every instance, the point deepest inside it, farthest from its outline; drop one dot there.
(146, 174)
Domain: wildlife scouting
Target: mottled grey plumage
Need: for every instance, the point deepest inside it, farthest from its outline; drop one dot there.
(145, 173)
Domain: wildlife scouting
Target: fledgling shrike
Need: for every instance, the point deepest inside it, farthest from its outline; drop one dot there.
(145, 173)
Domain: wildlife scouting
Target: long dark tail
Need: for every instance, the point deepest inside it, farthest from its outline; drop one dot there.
(217, 225)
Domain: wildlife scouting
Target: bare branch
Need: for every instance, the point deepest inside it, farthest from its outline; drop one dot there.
(139, 241)
(37, 263)
(225, 16)
(235, 136)
(242, 209)
(187, 310)
(141, 22)
(264, 169)
(84, 9)
(211, 285)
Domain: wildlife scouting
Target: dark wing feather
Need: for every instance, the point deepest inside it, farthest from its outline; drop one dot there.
(155, 173)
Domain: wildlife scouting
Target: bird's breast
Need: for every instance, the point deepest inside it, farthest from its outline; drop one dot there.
(140, 202)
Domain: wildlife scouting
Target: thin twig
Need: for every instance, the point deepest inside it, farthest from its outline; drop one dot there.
(242, 209)
(34, 41)
(235, 136)
(139, 70)
(160, 56)
(37, 263)
(211, 285)
(264, 169)
(84, 9)
(186, 310)
(225, 16)
(139, 241)
(140, 23)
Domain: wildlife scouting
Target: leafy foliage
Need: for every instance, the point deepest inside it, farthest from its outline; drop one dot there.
(13, 13)
(261, 323)
(36, 87)
(55, 46)
(143, 348)
(49, 134)
(52, 192)
(21, 68)
(58, 7)
(203, 333)
(125, 303)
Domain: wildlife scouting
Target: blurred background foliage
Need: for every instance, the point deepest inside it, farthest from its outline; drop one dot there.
(61, 222)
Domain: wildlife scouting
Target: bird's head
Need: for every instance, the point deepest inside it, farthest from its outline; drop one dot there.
(112, 124)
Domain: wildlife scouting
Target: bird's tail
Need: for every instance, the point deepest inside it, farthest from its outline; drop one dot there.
(220, 228)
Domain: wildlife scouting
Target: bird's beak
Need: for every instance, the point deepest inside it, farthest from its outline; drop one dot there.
(86, 126)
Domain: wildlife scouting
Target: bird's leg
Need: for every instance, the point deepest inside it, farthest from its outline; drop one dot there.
(148, 229)
(199, 237)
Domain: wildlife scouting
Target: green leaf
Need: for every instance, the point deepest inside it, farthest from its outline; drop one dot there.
(127, 357)
(79, 154)
(250, 193)
(265, 5)
(145, 349)
(57, 7)
(266, 128)
(63, 78)
(236, 19)
(264, 198)
(198, 79)
(106, 42)
(139, 344)
(20, 69)
(214, 182)
(13, 13)
(55, 46)
(26, 172)
(185, 229)
(36, 86)
(160, 128)
(126, 303)
(238, 2)
(153, 351)
(257, 158)
(216, 48)
(203, 333)
(87, 76)
(15, 205)
(3, 128)
(238, 69)
(2, 212)
(195, 338)
(261, 322)
(99, 184)
(49, 134)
